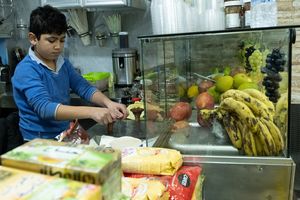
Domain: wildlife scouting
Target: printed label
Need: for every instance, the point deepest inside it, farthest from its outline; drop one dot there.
(247, 18)
(233, 20)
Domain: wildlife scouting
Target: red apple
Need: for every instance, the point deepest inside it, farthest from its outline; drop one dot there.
(205, 85)
(180, 111)
(204, 101)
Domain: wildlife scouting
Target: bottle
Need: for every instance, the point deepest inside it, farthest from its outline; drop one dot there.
(232, 14)
(263, 13)
(123, 36)
(247, 13)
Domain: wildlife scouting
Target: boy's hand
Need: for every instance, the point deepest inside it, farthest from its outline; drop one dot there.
(117, 110)
(101, 115)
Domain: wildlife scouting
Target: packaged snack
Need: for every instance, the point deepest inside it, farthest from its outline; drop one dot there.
(75, 134)
(197, 194)
(183, 185)
(78, 162)
(144, 189)
(150, 160)
(23, 185)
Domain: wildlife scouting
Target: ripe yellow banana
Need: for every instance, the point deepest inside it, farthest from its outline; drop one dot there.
(276, 134)
(220, 113)
(281, 122)
(233, 132)
(207, 113)
(249, 146)
(262, 97)
(258, 145)
(266, 139)
(242, 111)
(258, 107)
(282, 103)
(281, 114)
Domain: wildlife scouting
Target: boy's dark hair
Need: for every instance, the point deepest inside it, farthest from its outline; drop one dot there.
(47, 20)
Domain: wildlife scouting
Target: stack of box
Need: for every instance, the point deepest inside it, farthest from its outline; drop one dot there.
(77, 162)
(19, 184)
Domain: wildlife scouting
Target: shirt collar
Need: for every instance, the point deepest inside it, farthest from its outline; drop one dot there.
(59, 62)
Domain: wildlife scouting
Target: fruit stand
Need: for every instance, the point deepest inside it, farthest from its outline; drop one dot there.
(228, 107)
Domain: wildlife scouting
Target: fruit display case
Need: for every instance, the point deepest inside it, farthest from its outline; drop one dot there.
(225, 98)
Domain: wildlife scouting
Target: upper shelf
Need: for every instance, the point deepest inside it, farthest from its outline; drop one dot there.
(94, 5)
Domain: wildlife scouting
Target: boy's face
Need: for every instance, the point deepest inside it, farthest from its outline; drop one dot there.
(49, 46)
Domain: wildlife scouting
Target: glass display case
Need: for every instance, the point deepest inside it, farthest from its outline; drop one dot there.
(224, 97)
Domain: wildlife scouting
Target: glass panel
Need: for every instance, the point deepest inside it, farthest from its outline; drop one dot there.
(208, 73)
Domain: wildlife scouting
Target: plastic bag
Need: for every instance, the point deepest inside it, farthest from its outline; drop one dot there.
(181, 185)
(75, 134)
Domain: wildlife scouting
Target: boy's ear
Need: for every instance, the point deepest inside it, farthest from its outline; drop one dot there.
(32, 38)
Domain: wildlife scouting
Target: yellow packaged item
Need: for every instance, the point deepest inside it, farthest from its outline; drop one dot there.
(144, 189)
(150, 160)
(24, 185)
(78, 162)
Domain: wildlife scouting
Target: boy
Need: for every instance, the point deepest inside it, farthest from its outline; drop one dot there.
(42, 81)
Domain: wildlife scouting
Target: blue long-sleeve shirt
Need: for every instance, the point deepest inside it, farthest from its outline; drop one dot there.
(38, 91)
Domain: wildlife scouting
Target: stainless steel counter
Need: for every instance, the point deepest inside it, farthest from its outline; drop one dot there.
(247, 178)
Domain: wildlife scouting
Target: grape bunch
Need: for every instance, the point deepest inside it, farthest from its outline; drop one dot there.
(248, 52)
(274, 64)
(255, 60)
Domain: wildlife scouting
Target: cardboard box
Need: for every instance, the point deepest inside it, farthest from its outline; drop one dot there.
(77, 162)
(20, 184)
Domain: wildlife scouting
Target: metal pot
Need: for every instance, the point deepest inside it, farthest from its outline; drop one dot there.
(124, 65)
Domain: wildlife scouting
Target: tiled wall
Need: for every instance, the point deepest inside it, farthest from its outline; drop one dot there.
(289, 14)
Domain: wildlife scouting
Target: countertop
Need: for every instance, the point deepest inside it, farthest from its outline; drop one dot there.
(153, 133)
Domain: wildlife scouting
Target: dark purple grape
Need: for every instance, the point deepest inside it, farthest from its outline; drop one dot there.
(263, 70)
(269, 65)
(274, 76)
(270, 84)
(273, 99)
(267, 82)
(272, 93)
(248, 53)
(279, 68)
(269, 93)
(278, 61)
(272, 88)
(275, 62)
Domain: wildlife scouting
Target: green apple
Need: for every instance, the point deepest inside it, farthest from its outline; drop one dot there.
(248, 85)
(224, 83)
(215, 94)
(239, 79)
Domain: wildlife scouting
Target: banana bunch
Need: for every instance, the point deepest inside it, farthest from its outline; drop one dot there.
(281, 116)
(247, 117)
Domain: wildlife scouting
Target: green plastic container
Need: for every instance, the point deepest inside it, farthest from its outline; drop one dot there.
(99, 79)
